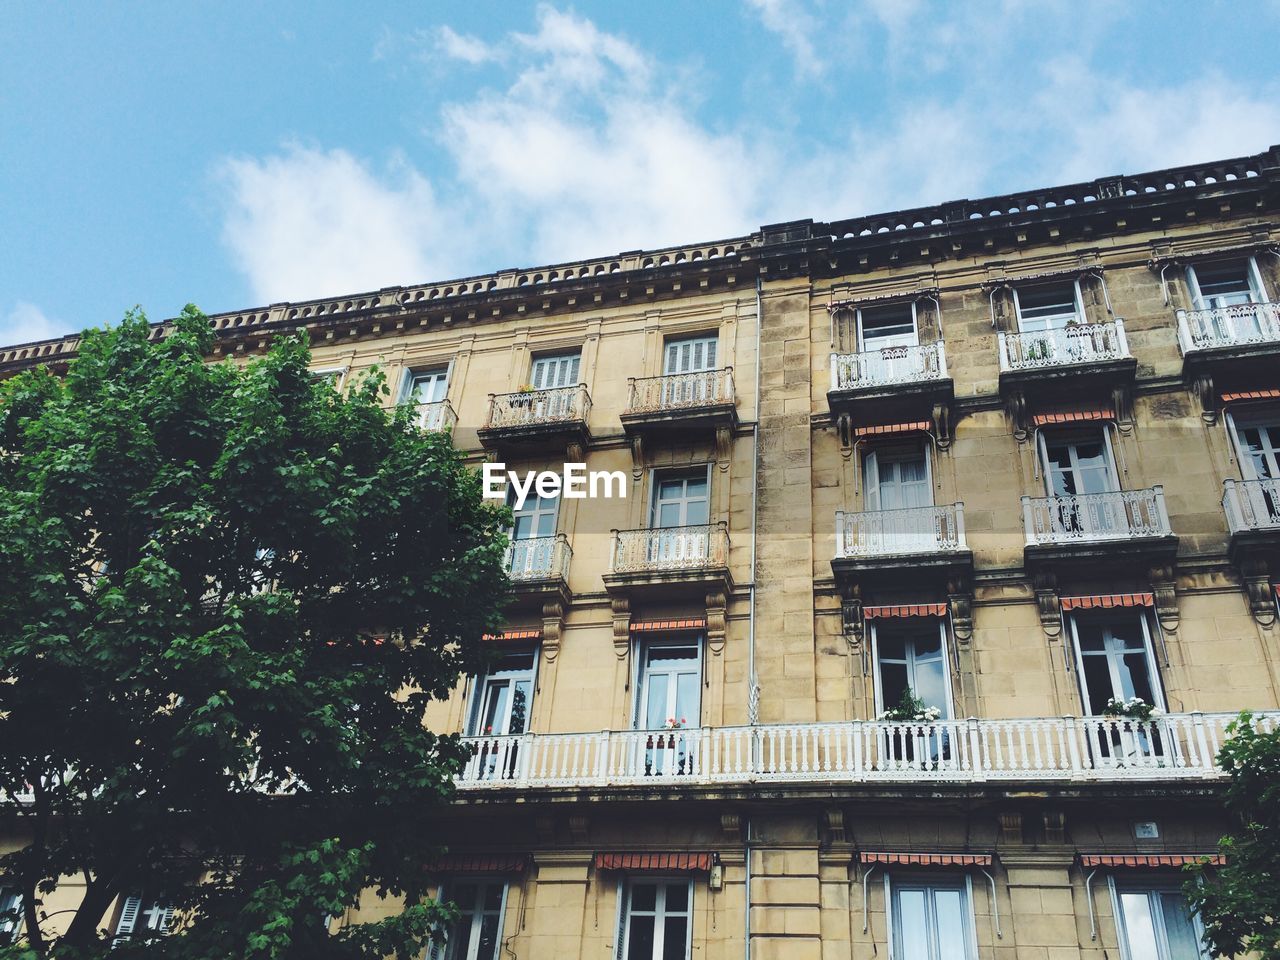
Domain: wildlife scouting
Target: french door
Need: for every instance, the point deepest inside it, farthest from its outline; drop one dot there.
(505, 696)
(477, 933)
(1156, 923)
(885, 335)
(555, 372)
(1079, 466)
(669, 703)
(656, 923)
(1259, 446)
(680, 502)
(1115, 661)
(912, 658)
(684, 363)
(533, 531)
(1223, 284)
(897, 484)
(428, 386)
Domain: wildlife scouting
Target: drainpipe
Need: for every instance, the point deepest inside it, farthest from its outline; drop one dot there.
(753, 694)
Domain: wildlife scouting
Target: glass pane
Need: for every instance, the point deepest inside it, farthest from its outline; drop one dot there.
(677, 898)
(460, 939)
(675, 938)
(948, 906)
(687, 699)
(888, 326)
(520, 707)
(1139, 926)
(931, 684)
(644, 896)
(1097, 679)
(670, 489)
(928, 645)
(1223, 277)
(640, 946)
(893, 681)
(1135, 678)
(464, 895)
(697, 512)
(892, 645)
(487, 949)
(669, 515)
(495, 710)
(1047, 301)
(1062, 480)
(1179, 928)
(911, 925)
(1090, 634)
(655, 712)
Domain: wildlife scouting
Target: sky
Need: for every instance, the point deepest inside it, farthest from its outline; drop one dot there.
(237, 153)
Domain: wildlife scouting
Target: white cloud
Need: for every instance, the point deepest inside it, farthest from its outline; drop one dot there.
(459, 46)
(307, 223)
(794, 26)
(26, 323)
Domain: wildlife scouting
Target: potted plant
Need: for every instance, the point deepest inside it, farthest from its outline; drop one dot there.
(910, 709)
(1135, 708)
(905, 745)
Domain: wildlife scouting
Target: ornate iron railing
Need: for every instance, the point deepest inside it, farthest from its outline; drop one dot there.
(539, 558)
(1079, 343)
(881, 533)
(681, 391)
(1088, 517)
(1252, 504)
(1235, 326)
(889, 366)
(434, 417)
(705, 546)
(536, 407)
(1170, 747)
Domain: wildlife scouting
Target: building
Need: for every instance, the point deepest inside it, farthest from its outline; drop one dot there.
(1015, 457)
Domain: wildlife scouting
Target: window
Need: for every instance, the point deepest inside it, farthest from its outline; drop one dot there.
(1078, 463)
(427, 386)
(477, 933)
(930, 919)
(504, 696)
(333, 376)
(670, 684)
(1115, 660)
(1224, 283)
(142, 915)
(533, 531)
(1047, 306)
(897, 478)
(656, 920)
(689, 355)
(911, 654)
(1258, 440)
(10, 914)
(1154, 923)
(555, 370)
(680, 499)
(893, 325)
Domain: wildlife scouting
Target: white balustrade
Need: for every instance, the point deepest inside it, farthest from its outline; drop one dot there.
(889, 366)
(1168, 747)
(1078, 343)
(681, 391)
(703, 546)
(539, 558)
(1090, 517)
(1236, 326)
(911, 530)
(1252, 504)
(434, 417)
(530, 408)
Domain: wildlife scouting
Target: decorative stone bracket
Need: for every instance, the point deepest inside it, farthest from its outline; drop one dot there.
(717, 606)
(1048, 605)
(1257, 587)
(833, 827)
(552, 628)
(621, 609)
(1164, 586)
(1203, 387)
(960, 595)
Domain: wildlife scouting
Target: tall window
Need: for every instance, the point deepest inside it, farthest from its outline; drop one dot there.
(690, 355)
(477, 933)
(504, 696)
(1047, 306)
(897, 478)
(555, 370)
(1258, 438)
(427, 386)
(931, 919)
(10, 907)
(1115, 660)
(1078, 462)
(680, 499)
(670, 684)
(532, 528)
(1156, 924)
(911, 654)
(1225, 283)
(143, 915)
(656, 920)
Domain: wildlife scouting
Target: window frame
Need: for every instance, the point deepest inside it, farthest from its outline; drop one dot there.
(1162, 938)
(893, 452)
(657, 474)
(625, 884)
(1042, 444)
(860, 323)
(556, 356)
(1148, 639)
(421, 370)
(640, 677)
(1252, 272)
(674, 341)
(1077, 295)
(441, 951)
(929, 879)
(478, 685)
(1253, 417)
(338, 373)
(878, 682)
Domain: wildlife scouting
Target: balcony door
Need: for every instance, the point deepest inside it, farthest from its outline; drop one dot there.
(554, 372)
(533, 531)
(477, 932)
(669, 703)
(1045, 307)
(898, 485)
(427, 386)
(1077, 466)
(1258, 442)
(504, 696)
(679, 515)
(682, 362)
(1115, 661)
(1229, 286)
(911, 654)
(885, 336)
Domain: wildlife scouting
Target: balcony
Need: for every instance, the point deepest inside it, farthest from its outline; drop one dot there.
(1244, 327)
(681, 402)
(1094, 527)
(1066, 360)
(1030, 751)
(537, 419)
(894, 541)
(434, 417)
(539, 566)
(907, 378)
(696, 556)
(1253, 517)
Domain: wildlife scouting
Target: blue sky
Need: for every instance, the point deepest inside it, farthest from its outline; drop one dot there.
(240, 153)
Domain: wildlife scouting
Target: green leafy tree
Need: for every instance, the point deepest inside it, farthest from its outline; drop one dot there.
(1239, 902)
(227, 595)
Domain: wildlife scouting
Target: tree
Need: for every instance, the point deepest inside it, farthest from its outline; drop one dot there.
(1239, 902)
(227, 594)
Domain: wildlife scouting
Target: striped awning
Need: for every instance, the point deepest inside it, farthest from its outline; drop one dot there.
(906, 610)
(1148, 859)
(1109, 601)
(656, 862)
(1073, 416)
(927, 859)
(523, 633)
(667, 626)
(480, 863)
(883, 429)
(1251, 395)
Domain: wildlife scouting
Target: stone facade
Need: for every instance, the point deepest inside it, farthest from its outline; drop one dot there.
(801, 634)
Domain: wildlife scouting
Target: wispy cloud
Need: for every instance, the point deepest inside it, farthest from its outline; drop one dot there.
(457, 46)
(25, 322)
(795, 26)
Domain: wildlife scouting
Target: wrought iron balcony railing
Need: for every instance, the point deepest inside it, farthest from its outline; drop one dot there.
(1252, 504)
(912, 530)
(681, 392)
(434, 417)
(1244, 324)
(532, 408)
(1053, 749)
(1092, 517)
(539, 558)
(701, 547)
(888, 367)
(1080, 343)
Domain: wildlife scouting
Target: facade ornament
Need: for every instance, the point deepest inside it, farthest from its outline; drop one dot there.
(579, 826)
(637, 457)
(552, 628)
(574, 452)
(731, 827)
(1165, 589)
(620, 606)
(942, 425)
(833, 826)
(1048, 605)
(1017, 407)
(961, 601)
(1055, 826)
(724, 443)
(1257, 587)
(1203, 387)
(717, 603)
(1010, 826)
